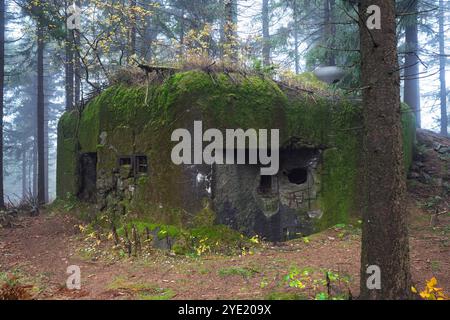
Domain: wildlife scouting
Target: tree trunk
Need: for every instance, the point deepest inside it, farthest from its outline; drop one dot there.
(32, 169)
(40, 113)
(47, 84)
(411, 86)
(182, 33)
(296, 40)
(385, 230)
(69, 68)
(77, 69)
(266, 33)
(149, 35)
(133, 29)
(442, 62)
(77, 62)
(24, 173)
(329, 31)
(2, 81)
(230, 29)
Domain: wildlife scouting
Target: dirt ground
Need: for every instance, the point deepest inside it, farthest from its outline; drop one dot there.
(38, 250)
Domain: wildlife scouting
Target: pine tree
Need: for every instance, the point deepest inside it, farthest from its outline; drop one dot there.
(385, 230)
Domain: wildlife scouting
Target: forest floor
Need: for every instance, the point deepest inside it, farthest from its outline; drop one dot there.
(36, 252)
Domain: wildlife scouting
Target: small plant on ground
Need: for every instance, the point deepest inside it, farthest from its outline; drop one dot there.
(431, 291)
(237, 271)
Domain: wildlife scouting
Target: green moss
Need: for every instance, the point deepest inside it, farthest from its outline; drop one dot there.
(141, 119)
(67, 155)
(205, 218)
(285, 296)
(220, 238)
(236, 271)
(142, 291)
(164, 230)
(336, 128)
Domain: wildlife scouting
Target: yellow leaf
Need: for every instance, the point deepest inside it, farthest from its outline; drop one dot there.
(432, 283)
(424, 295)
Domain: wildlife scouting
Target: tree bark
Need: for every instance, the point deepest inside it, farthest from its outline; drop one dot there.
(77, 70)
(40, 113)
(24, 173)
(411, 91)
(385, 230)
(77, 63)
(69, 66)
(133, 30)
(32, 172)
(230, 29)
(295, 10)
(329, 31)
(2, 81)
(266, 48)
(442, 63)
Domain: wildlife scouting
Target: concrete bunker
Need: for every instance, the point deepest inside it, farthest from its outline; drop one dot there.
(116, 153)
(279, 207)
(88, 177)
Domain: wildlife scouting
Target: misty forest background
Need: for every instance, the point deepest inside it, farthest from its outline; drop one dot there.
(48, 68)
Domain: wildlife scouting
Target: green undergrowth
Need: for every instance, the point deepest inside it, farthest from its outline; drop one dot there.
(237, 271)
(195, 241)
(86, 212)
(140, 291)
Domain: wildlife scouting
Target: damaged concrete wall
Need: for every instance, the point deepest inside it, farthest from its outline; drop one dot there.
(316, 186)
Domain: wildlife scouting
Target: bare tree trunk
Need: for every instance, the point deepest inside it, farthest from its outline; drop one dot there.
(266, 33)
(2, 81)
(230, 29)
(40, 113)
(77, 62)
(296, 40)
(385, 230)
(69, 68)
(182, 33)
(149, 35)
(46, 152)
(133, 30)
(411, 86)
(77, 70)
(32, 172)
(24, 173)
(442, 62)
(329, 30)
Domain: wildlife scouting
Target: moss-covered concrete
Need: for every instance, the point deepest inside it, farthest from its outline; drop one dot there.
(140, 119)
(68, 147)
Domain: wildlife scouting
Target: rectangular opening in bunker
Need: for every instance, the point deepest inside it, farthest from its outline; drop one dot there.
(138, 164)
(125, 161)
(88, 177)
(141, 164)
(265, 185)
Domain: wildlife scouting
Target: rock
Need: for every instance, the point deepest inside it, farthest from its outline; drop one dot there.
(419, 164)
(437, 146)
(6, 220)
(425, 178)
(165, 243)
(413, 175)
